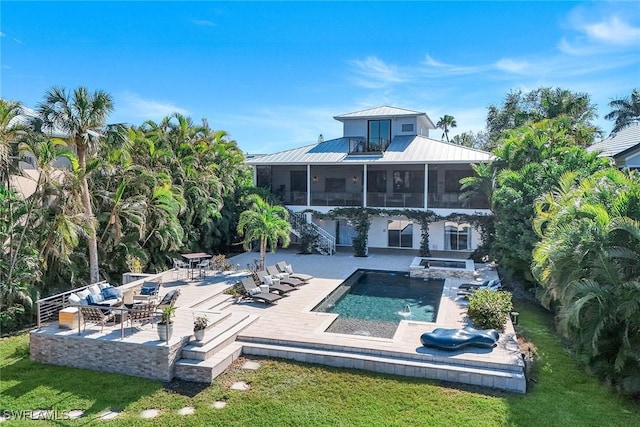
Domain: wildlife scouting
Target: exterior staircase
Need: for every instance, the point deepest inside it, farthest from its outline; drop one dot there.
(325, 242)
(202, 361)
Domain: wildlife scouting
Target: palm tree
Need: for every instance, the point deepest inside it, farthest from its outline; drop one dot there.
(480, 186)
(588, 264)
(625, 111)
(446, 123)
(10, 130)
(266, 223)
(82, 116)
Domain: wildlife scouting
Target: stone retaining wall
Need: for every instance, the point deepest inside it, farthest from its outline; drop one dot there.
(155, 361)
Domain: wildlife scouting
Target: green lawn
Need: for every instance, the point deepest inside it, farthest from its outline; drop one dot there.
(294, 394)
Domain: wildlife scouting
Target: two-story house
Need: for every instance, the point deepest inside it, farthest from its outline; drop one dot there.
(385, 160)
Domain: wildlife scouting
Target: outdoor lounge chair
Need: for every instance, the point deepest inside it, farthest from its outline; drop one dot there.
(96, 315)
(492, 285)
(142, 313)
(284, 277)
(283, 267)
(169, 299)
(257, 294)
(148, 292)
(273, 283)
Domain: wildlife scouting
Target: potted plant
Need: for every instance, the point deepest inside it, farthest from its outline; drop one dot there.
(199, 326)
(165, 326)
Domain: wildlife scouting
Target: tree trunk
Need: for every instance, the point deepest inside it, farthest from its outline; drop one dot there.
(263, 252)
(92, 241)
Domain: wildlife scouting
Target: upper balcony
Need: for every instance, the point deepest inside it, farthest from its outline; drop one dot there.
(368, 146)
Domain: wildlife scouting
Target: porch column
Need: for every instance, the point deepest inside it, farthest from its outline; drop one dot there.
(426, 185)
(364, 186)
(308, 185)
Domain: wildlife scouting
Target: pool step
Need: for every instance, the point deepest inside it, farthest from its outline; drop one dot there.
(510, 380)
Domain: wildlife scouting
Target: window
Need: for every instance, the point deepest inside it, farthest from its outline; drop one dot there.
(400, 234)
(379, 134)
(408, 181)
(457, 237)
(433, 181)
(335, 185)
(263, 176)
(298, 181)
(377, 181)
(407, 127)
(452, 180)
(345, 232)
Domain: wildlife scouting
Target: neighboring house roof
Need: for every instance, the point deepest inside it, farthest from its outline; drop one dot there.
(620, 143)
(27, 117)
(402, 150)
(384, 111)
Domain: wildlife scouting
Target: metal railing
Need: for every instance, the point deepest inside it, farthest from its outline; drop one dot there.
(326, 243)
(47, 308)
(368, 146)
(389, 200)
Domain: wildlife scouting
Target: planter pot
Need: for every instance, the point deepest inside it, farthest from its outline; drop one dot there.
(199, 334)
(165, 332)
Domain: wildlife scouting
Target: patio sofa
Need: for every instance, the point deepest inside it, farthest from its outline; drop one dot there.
(99, 294)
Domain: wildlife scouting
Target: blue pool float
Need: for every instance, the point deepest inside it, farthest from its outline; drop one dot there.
(453, 339)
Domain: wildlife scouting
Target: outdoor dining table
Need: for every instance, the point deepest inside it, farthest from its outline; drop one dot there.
(194, 259)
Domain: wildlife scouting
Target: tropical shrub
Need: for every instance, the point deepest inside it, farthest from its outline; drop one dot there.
(489, 309)
(588, 264)
(308, 239)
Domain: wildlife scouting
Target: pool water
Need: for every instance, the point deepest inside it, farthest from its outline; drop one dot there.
(373, 303)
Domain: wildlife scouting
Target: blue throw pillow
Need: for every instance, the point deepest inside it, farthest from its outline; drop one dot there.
(110, 293)
(90, 300)
(147, 291)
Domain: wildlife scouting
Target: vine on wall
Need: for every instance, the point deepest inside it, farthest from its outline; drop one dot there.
(361, 217)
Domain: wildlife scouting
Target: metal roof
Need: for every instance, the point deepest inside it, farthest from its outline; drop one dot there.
(615, 145)
(384, 111)
(402, 150)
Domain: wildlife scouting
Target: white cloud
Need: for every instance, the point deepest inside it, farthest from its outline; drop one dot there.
(204, 23)
(434, 68)
(601, 27)
(375, 73)
(614, 31)
(512, 65)
(134, 106)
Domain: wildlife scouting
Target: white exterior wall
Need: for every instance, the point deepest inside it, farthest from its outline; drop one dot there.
(378, 233)
(328, 225)
(378, 236)
(436, 236)
(353, 128)
(396, 126)
(632, 161)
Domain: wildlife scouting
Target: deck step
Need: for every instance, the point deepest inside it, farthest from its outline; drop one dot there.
(210, 302)
(218, 337)
(205, 371)
(504, 380)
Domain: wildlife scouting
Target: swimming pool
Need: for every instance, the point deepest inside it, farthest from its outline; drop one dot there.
(373, 303)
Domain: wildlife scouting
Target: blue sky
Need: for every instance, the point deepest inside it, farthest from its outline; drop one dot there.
(273, 75)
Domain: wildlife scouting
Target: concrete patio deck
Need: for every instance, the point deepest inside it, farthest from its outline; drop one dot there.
(288, 329)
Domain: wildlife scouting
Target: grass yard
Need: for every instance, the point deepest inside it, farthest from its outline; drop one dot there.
(294, 394)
